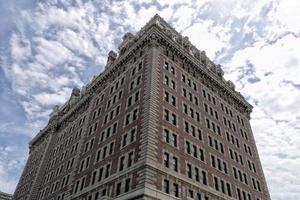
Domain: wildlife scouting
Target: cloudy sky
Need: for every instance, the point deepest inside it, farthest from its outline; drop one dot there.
(47, 47)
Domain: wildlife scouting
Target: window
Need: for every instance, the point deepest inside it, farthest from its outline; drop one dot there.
(107, 170)
(130, 159)
(118, 189)
(121, 166)
(189, 170)
(170, 138)
(175, 190)
(166, 159)
(170, 117)
(166, 186)
(216, 183)
(127, 184)
(175, 163)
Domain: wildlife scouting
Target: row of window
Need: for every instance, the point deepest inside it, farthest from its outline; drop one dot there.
(191, 112)
(243, 195)
(88, 145)
(233, 140)
(129, 137)
(188, 81)
(170, 161)
(135, 69)
(209, 97)
(216, 144)
(100, 174)
(132, 116)
(123, 186)
(244, 134)
(170, 98)
(218, 163)
(192, 130)
(190, 96)
(169, 67)
(193, 172)
(169, 82)
(170, 137)
(236, 156)
(126, 160)
(222, 186)
(212, 126)
(133, 99)
(55, 187)
(135, 82)
(108, 132)
(211, 111)
(114, 99)
(96, 113)
(116, 85)
(229, 124)
(239, 175)
(247, 149)
(113, 113)
(170, 117)
(194, 150)
(105, 151)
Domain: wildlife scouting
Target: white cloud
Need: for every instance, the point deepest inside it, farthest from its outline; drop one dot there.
(58, 98)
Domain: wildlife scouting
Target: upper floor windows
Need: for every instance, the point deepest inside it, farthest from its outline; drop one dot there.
(191, 129)
(126, 160)
(209, 97)
(135, 69)
(170, 117)
(218, 164)
(170, 98)
(128, 137)
(136, 82)
(170, 137)
(192, 98)
(188, 81)
(191, 112)
(131, 116)
(212, 126)
(217, 145)
(222, 186)
(170, 161)
(194, 150)
(169, 82)
(211, 111)
(193, 172)
(169, 68)
(133, 98)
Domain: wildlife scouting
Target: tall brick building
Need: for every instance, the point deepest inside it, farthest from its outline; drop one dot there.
(160, 122)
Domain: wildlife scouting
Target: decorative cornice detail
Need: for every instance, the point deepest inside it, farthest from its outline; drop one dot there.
(155, 32)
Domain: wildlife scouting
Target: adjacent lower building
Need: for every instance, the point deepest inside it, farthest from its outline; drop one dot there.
(5, 196)
(160, 122)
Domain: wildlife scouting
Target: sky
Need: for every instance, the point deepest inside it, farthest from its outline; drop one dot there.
(48, 47)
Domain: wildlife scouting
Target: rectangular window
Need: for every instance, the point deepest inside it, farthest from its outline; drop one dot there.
(166, 186)
(175, 190)
(166, 159)
(127, 184)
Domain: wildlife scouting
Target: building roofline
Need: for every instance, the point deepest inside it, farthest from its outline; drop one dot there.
(172, 36)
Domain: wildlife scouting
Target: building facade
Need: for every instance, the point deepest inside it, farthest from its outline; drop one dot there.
(160, 122)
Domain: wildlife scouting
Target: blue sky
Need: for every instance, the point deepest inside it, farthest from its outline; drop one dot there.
(48, 47)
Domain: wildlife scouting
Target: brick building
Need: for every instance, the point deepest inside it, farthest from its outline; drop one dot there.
(160, 122)
(5, 196)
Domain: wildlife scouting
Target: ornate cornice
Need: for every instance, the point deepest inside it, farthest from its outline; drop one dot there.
(204, 69)
(155, 32)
